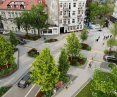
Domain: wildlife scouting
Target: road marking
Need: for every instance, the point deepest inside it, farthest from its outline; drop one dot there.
(30, 65)
(57, 55)
(28, 47)
(39, 41)
(37, 92)
(60, 38)
(96, 51)
(94, 61)
(30, 90)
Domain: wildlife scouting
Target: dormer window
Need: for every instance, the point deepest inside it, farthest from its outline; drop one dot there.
(15, 6)
(8, 6)
(21, 6)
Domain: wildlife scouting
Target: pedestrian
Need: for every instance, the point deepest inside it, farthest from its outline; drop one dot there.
(44, 38)
(71, 82)
(89, 65)
(97, 40)
(108, 36)
(66, 87)
(103, 44)
(99, 37)
(92, 57)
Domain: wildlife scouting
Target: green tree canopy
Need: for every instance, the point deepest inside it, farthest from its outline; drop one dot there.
(13, 39)
(101, 22)
(114, 30)
(6, 52)
(39, 18)
(45, 70)
(73, 47)
(84, 35)
(111, 42)
(18, 22)
(64, 63)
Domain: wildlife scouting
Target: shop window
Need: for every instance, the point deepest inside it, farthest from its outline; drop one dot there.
(45, 31)
(49, 30)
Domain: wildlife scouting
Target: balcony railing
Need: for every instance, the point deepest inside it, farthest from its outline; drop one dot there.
(79, 7)
(66, 8)
(79, 15)
(68, 16)
(65, 24)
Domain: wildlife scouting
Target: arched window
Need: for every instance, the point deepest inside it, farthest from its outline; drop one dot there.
(21, 6)
(8, 6)
(15, 6)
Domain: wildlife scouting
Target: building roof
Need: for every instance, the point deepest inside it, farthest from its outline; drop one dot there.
(28, 4)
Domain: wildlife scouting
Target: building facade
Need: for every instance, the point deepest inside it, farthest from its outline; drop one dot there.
(64, 15)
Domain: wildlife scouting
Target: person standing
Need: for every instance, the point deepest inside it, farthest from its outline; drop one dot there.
(108, 36)
(103, 44)
(89, 65)
(66, 87)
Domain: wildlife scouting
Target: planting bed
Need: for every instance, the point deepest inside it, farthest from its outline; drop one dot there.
(110, 52)
(4, 71)
(40, 94)
(51, 40)
(33, 53)
(15, 49)
(31, 37)
(85, 46)
(76, 61)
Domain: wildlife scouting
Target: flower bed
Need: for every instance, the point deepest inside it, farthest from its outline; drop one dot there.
(110, 52)
(111, 65)
(51, 40)
(4, 71)
(33, 53)
(76, 61)
(3, 90)
(40, 94)
(31, 37)
(85, 46)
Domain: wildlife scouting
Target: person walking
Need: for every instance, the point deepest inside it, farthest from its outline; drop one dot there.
(44, 38)
(108, 36)
(103, 44)
(92, 57)
(89, 65)
(66, 87)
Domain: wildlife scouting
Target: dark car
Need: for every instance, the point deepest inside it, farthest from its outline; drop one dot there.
(21, 41)
(110, 58)
(24, 82)
(1, 32)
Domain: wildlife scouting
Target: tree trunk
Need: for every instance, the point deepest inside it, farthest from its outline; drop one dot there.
(7, 64)
(38, 32)
(26, 31)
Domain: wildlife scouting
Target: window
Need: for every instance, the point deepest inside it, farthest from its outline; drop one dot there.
(78, 27)
(81, 19)
(65, 5)
(64, 21)
(11, 22)
(78, 20)
(68, 21)
(79, 4)
(82, 11)
(78, 11)
(73, 12)
(73, 20)
(60, 12)
(64, 12)
(7, 27)
(74, 4)
(83, 4)
(13, 15)
(68, 28)
(3, 15)
(9, 15)
(60, 21)
(22, 28)
(12, 28)
(45, 31)
(16, 14)
(49, 30)
(19, 14)
(71, 27)
(32, 31)
(60, 4)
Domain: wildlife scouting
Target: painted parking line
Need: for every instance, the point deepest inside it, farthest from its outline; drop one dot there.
(28, 47)
(39, 41)
(30, 65)
(60, 38)
(94, 61)
(96, 51)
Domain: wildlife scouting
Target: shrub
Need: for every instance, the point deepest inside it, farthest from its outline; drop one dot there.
(77, 64)
(10, 69)
(4, 71)
(66, 79)
(2, 91)
(53, 40)
(13, 65)
(105, 51)
(47, 40)
(75, 60)
(49, 93)
(88, 48)
(111, 65)
(44, 96)
(113, 54)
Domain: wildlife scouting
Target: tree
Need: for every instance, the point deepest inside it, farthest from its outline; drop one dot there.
(18, 22)
(114, 73)
(38, 18)
(13, 39)
(64, 63)
(102, 84)
(114, 30)
(92, 11)
(73, 46)
(111, 42)
(45, 70)
(6, 52)
(26, 21)
(84, 35)
(101, 22)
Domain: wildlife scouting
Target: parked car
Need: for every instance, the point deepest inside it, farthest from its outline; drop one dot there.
(21, 41)
(110, 58)
(93, 25)
(1, 32)
(24, 82)
(5, 32)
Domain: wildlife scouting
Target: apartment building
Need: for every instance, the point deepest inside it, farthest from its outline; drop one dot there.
(13, 8)
(71, 15)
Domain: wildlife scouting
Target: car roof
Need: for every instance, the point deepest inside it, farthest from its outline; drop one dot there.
(25, 78)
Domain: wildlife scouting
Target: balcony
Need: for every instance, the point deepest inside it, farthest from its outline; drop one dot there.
(79, 7)
(66, 8)
(65, 24)
(66, 16)
(79, 15)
